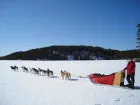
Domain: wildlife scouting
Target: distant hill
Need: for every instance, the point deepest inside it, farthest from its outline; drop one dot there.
(77, 52)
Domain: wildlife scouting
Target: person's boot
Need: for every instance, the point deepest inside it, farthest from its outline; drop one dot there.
(131, 85)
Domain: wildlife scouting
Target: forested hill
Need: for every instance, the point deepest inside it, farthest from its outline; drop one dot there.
(77, 52)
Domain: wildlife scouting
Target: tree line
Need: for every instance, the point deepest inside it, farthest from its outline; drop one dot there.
(62, 52)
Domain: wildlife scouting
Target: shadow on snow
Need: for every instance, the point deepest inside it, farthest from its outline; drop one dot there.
(137, 87)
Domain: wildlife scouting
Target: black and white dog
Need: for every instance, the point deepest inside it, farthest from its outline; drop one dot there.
(50, 73)
(15, 68)
(34, 70)
(25, 69)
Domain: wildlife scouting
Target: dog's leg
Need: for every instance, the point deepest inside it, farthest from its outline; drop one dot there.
(66, 76)
(63, 77)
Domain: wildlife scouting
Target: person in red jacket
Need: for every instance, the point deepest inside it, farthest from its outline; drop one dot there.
(130, 69)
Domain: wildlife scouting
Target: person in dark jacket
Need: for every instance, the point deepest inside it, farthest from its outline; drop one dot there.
(130, 69)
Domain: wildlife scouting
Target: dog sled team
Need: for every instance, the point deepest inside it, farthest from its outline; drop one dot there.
(64, 74)
(39, 71)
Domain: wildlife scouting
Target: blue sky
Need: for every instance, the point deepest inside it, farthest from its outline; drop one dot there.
(28, 24)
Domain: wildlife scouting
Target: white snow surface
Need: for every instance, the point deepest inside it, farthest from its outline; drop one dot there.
(25, 88)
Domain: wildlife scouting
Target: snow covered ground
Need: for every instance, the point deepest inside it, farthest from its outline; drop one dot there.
(20, 88)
